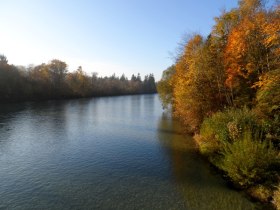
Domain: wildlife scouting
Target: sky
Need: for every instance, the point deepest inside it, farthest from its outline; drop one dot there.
(103, 36)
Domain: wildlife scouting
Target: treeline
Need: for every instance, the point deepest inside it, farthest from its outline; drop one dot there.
(53, 81)
(225, 88)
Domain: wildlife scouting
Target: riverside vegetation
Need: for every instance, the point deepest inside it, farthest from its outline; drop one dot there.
(225, 89)
(53, 81)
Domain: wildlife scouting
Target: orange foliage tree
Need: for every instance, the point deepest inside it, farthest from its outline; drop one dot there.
(252, 49)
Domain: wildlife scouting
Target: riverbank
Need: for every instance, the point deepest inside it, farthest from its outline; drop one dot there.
(264, 196)
(232, 142)
(225, 88)
(54, 81)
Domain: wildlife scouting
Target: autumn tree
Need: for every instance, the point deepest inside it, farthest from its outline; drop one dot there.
(252, 49)
(217, 41)
(187, 96)
(165, 86)
(268, 102)
(79, 83)
(40, 78)
(230, 81)
(13, 82)
(58, 71)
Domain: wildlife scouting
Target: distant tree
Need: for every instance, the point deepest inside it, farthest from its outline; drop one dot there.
(3, 60)
(79, 83)
(13, 83)
(40, 77)
(133, 78)
(52, 80)
(58, 71)
(138, 78)
(149, 85)
(123, 78)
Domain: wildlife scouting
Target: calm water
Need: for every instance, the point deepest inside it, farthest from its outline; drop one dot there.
(103, 153)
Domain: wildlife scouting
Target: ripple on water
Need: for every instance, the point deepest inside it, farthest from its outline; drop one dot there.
(103, 153)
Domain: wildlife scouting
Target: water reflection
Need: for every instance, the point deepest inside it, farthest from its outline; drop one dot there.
(200, 187)
(102, 153)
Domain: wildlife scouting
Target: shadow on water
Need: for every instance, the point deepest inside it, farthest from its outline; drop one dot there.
(200, 186)
(104, 153)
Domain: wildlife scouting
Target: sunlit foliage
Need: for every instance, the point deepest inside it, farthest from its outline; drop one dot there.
(226, 89)
(165, 87)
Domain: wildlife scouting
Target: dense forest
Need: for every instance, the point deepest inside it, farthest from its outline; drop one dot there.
(225, 89)
(53, 81)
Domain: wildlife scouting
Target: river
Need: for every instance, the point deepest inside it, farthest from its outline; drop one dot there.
(104, 153)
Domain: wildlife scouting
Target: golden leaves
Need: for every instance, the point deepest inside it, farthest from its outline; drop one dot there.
(253, 45)
(223, 69)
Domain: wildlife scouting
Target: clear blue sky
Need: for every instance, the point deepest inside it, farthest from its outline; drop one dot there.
(104, 36)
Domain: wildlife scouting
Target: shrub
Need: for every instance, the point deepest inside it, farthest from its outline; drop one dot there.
(206, 145)
(224, 127)
(261, 192)
(276, 198)
(249, 161)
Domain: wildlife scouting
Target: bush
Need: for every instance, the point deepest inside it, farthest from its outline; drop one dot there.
(261, 192)
(207, 146)
(224, 127)
(276, 198)
(249, 161)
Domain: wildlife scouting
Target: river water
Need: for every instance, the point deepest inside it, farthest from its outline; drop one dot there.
(104, 153)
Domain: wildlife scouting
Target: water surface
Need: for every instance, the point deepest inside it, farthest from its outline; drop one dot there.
(104, 153)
